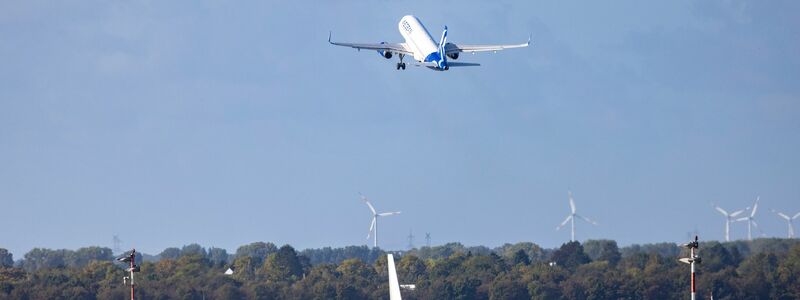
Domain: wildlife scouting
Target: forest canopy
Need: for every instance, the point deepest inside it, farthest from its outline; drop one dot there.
(596, 269)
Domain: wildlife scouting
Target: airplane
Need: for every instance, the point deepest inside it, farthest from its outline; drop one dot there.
(394, 286)
(421, 46)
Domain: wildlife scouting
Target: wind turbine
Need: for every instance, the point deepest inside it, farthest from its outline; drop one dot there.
(751, 220)
(788, 221)
(728, 220)
(373, 227)
(571, 217)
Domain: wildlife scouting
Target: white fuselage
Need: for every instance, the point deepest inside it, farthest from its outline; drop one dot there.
(418, 39)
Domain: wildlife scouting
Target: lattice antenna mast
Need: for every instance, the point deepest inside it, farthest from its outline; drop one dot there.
(117, 243)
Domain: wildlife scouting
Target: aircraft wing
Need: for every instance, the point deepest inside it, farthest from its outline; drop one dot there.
(450, 48)
(392, 47)
(432, 64)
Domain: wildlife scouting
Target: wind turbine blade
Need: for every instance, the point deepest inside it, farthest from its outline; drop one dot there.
(722, 211)
(736, 213)
(388, 214)
(783, 216)
(564, 223)
(755, 207)
(371, 226)
(797, 215)
(742, 219)
(756, 225)
(587, 219)
(571, 202)
(369, 204)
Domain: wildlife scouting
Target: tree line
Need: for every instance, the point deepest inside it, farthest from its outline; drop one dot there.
(596, 269)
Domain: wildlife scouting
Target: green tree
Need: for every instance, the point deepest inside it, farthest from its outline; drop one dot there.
(715, 257)
(41, 258)
(193, 249)
(411, 269)
(283, 265)
(244, 268)
(320, 283)
(520, 257)
(466, 288)
(6, 258)
(570, 255)
(534, 252)
(228, 291)
(170, 253)
(506, 287)
(788, 274)
(259, 251)
(218, 256)
(355, 273)
(543, 280)
(757, 275)
(84, 256)
(606, 250)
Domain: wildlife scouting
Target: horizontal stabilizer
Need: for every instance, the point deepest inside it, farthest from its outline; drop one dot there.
(462, 64)
(430, 64)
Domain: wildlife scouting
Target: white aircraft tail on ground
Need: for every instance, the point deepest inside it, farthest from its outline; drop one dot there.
(394, 285)
(421, 46)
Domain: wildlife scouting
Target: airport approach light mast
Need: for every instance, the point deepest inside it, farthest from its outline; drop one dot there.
(691, 260)
(131, 259)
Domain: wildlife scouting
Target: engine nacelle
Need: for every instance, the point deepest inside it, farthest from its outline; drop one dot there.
(386, 54)
(453, 55)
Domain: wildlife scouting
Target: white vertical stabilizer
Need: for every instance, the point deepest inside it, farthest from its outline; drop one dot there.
(394, 285)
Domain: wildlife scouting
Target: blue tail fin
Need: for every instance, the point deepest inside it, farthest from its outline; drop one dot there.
(442, 42)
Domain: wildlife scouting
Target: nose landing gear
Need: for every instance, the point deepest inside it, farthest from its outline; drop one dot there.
(401, 64)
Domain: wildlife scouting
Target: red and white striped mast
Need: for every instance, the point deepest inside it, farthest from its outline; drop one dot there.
(691, 260)
(131, 259)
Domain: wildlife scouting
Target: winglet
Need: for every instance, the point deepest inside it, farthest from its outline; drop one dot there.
(529, 40)
(329, 36)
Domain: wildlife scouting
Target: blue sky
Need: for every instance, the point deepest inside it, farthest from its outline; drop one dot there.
(227, 123)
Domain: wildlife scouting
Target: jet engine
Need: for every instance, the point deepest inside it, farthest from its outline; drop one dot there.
(453, 55)
(386, 54)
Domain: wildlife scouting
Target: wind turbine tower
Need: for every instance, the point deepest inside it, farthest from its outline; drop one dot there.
(789, 221)
(373, 227)
(428, 239)
(571, 217)
(751, 221)
(728, 219)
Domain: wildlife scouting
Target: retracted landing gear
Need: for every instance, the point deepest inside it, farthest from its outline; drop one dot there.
(401, 64)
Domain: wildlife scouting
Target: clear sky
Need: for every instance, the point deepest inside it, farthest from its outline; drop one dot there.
(222, 123)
